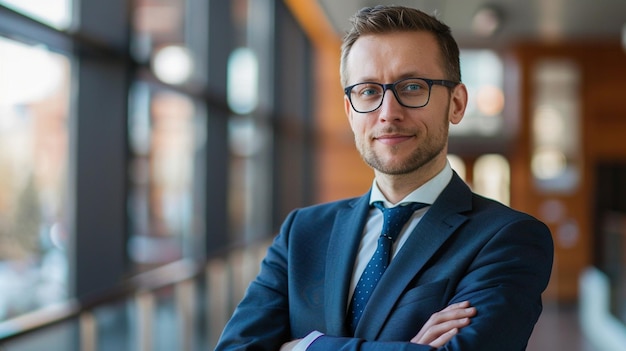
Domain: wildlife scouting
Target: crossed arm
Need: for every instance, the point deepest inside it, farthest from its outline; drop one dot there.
(437, 331)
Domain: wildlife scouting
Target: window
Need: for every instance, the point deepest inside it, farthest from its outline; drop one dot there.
(483, 74)
(34, 236)
(492, 177)
(170, 35)
(119, 150)
(555, 122)
(165, 131)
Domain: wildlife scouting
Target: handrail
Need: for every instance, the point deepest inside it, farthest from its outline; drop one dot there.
(167, 275)
(38, 319)
(163, 276)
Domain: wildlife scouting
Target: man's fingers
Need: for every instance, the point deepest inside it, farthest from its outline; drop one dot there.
(443, 339)
(451, 314)
(432, 333)
(459, 307)
(443, 325)
(462, 304)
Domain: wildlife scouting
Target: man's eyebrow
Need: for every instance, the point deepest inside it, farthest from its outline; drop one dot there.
(397, 78)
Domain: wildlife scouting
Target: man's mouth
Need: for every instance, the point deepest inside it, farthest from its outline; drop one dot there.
(393, 139)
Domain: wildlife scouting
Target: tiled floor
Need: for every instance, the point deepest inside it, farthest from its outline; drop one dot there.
(558, 329)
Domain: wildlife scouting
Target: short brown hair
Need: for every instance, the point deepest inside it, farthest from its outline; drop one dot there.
(386, 19)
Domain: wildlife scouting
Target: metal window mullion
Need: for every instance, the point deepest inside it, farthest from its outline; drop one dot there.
(25, 29)
(99, 146)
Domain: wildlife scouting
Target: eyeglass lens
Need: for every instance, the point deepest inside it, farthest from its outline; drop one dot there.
(412, 92)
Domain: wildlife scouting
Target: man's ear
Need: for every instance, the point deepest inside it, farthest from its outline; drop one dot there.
(458, 103)
(347, 108)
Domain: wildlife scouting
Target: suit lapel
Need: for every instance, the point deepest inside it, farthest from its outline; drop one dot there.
(343, 246)
(437, 225)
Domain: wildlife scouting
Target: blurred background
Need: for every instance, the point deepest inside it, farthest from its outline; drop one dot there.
(150, 149)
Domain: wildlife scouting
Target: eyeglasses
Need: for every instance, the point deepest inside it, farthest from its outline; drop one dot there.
(410, 92)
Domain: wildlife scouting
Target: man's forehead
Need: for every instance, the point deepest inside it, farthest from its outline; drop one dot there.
(401, 54)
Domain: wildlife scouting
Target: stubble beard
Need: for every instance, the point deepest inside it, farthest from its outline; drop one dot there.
(426, 152)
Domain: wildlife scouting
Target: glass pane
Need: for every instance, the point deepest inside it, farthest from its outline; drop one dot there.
(165, 321)
(555, 126)
(114, 323)
(165, 134)
(483, 74)
(249, 140)
(243, 83)
(171, 34)
(492, 177)
(57, 13)
(34, 99)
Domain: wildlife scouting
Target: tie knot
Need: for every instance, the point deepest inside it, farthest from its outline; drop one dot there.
(396, 217)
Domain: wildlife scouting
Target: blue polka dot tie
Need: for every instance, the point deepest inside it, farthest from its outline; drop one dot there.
(394, 220)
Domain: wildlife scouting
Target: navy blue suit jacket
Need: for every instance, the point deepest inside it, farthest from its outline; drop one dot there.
(466, 247)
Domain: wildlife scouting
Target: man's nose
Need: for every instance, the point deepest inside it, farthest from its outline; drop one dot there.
(390, 107)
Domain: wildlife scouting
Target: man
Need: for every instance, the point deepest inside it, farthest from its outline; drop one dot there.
(467, 273)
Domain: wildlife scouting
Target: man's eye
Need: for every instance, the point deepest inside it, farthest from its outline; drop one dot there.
(412, 87)
(368, 91)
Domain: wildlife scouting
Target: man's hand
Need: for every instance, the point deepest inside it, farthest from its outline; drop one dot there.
(443, 325)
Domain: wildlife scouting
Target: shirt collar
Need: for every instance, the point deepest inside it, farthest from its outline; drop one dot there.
(427, 193)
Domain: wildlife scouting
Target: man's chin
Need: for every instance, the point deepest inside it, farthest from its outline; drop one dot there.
(392, 167)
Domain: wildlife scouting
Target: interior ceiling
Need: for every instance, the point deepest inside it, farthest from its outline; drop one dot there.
(543, 20)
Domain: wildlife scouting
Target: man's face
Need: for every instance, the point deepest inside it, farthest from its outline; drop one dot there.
(394, 139)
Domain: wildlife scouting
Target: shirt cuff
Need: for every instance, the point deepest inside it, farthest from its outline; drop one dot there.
(307, 341)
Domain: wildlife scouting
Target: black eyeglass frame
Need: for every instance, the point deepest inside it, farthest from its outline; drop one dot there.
(392, 86)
